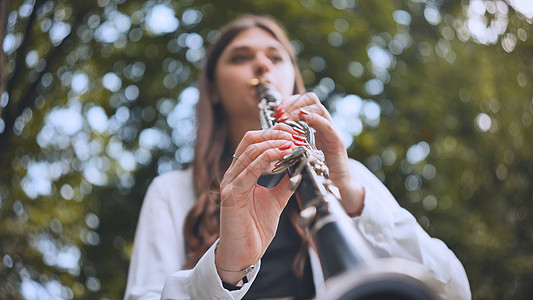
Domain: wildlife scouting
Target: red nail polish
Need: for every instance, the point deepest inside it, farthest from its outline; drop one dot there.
(282, 119)
(279, 113)
(304, 112)
(278, 108)
(298, 131)
(299, 138)
(300, 143)
(286, 147)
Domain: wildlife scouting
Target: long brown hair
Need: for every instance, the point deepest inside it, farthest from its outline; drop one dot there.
(213, 149)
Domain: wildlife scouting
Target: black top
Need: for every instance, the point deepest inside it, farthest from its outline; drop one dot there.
(276, 277)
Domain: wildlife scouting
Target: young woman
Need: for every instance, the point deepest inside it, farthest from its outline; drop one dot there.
(225, 229)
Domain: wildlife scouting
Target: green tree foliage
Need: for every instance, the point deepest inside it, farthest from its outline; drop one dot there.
(435, 97)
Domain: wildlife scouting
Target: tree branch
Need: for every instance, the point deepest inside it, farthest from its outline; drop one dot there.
(26, 100)
(19, 60)
(3, 23)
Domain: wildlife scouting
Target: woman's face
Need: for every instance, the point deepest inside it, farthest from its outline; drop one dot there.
(253, 53)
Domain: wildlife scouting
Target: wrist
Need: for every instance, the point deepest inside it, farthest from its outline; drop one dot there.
(353, 197)
(231, 272)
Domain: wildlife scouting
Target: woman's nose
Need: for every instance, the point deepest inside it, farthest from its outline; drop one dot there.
(262, 64)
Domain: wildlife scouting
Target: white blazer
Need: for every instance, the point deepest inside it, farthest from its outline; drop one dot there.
(159, 247)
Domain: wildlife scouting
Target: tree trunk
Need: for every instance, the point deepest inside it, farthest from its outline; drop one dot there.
(3, 23)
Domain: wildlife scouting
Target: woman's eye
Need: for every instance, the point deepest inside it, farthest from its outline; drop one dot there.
(238, 58)
(276, 58)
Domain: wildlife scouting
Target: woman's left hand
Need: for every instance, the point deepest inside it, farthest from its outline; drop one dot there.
(307, 107)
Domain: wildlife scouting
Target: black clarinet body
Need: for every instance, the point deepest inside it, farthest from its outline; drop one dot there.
(350, 269)
(330, 240)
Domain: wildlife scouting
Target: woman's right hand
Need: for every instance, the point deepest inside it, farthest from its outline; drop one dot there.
(249, 213)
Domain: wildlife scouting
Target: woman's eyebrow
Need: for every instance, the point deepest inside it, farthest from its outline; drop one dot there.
(245, 48)
(239, 48)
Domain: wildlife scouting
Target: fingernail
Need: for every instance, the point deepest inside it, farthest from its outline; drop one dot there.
(279, 113)
(300, 143)
(298, 130)
(304, 112)
(278, 108)
(282, 119)
(286, 147)
(299, 138)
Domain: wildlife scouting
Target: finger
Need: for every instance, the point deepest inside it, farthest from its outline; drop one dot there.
(281, 191)
(285, 127)
(246, 180)
(327, 137)
(280, 131)
(295, 102)
(242, 158)
(314, 115)
(253, 152)
(316, 110)
(257, 136)
(260, 165)
(310, 102)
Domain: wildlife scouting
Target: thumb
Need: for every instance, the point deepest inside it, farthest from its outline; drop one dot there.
(281, 192)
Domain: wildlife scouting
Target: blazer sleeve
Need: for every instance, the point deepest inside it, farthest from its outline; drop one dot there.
(392, 231)
(159, 250)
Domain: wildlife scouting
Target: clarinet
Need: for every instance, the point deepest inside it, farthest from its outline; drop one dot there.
(350, 269)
